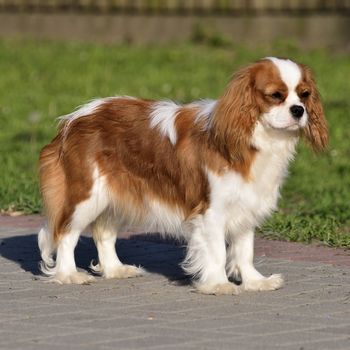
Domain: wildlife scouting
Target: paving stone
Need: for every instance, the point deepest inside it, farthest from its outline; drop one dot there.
(334, 344)
(146, 342)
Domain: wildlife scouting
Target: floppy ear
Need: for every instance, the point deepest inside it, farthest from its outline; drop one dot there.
(316, 130)
(235, 117)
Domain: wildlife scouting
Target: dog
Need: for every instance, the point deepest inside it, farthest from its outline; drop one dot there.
(209, 172)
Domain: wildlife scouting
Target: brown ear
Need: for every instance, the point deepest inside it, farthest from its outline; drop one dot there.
(235, 117)
(316, 130)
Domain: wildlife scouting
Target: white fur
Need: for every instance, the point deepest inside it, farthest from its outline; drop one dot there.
(163, 219)
(163, 117)
(280, 117)
(109, 265)
(289, 70)
(47, 248)
(153, 217)
(206, 108)
(206, 253)
(108, 259)
(88, 210)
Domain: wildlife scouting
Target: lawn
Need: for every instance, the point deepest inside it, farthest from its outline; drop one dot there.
(43, 80)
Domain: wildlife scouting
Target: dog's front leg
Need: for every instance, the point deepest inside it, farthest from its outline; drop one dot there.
(241, 253)
(206, 256)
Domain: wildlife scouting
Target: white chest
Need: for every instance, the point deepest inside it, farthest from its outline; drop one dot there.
(238, 204)
(242, 205)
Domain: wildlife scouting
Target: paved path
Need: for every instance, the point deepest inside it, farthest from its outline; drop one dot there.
(160, 310)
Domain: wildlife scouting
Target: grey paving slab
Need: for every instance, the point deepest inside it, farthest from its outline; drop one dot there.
(160, 310)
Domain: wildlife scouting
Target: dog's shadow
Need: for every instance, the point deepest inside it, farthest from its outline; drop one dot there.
(155, 256)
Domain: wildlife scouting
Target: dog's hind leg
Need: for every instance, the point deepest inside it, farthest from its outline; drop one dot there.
(65, 227)
(104, 233)
(65, 270)
(62, 270)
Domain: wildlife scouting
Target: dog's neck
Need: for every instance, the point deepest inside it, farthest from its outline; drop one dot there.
(276, 148)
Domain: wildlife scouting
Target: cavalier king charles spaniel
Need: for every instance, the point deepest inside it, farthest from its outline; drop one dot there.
(209, 171)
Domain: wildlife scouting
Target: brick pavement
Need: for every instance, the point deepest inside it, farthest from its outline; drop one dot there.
(160, 310)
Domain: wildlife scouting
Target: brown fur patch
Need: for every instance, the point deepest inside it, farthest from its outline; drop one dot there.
(316, 131)
(141, 164)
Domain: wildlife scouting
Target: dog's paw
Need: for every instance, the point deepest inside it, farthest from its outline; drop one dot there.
(218, 289)
(267, 283)
(124, 271)
(73, 278)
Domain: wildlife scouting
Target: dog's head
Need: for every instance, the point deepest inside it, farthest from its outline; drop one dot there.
(278, 93)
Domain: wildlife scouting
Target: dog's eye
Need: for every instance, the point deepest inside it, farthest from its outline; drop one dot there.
(277, 95)
(305, 94)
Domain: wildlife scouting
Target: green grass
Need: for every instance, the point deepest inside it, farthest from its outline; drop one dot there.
(42, 80)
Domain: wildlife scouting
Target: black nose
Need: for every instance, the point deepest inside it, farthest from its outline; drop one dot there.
(297, 111)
